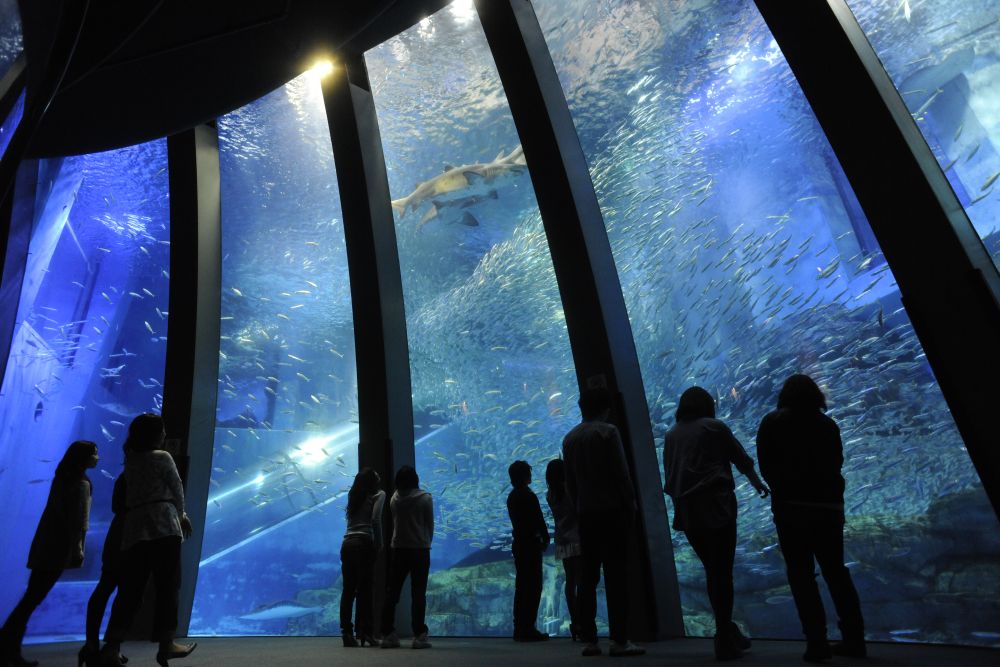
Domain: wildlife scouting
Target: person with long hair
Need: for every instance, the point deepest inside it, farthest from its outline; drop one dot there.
(155, 525)
(58, 544)
(801, 456)
(362, 542)
(567, 536)
(698, 454)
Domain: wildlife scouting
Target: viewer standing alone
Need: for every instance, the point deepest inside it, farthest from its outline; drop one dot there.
(598, 483)
(531, 539)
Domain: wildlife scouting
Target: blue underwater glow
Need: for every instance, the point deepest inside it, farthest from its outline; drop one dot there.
(286, 432)
(88, 348)
(944, 58)
(10, 123)
(744, 257)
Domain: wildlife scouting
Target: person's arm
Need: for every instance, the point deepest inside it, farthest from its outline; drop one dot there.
(571, 488)
(619, 469)
(176, 488)
(377, 507)
(770, 469)
(429, 515)
(540, 528)
(81, 521)
(738, 457)
(118, 496)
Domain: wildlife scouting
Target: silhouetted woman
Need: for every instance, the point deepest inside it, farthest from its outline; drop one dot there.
(155, 524)
(567, 536)
(58, 543)
(111, 571)
(801, 455)
(698, 455)
(361, 545)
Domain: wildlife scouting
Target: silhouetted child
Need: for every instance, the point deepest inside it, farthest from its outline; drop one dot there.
(531, 538)
(567, 536)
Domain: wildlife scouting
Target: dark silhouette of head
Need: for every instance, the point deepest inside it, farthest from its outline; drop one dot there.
(555, 478)
(145, 433)
(695, 403)
(594, 402)
(520, 473)
(407, 479)
(800, 393)
(365, 484)
(75, 461)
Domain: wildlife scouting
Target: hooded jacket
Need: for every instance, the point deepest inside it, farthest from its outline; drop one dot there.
(412, 519)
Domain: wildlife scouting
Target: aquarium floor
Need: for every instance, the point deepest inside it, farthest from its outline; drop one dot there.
(325, 651)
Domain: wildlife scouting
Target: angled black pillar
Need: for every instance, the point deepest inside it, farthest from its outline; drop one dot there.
(385, 411)
(190, 381)
(17, 212)
(948, 283)
(599, 330)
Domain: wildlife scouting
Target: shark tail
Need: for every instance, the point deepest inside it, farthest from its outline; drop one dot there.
(399, 206)
(517, 157)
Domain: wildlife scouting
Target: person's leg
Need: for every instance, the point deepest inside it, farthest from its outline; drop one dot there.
(165, 565)
(590, 576)
(830, 556)
(135, 573)
(420, 567)
(366, 572)
(97, 603)
(393, 588)
(533, 592)
(795, 541)
(40, 582)
(520, 591)
(350, 568)
(571, 566)
(616, 535)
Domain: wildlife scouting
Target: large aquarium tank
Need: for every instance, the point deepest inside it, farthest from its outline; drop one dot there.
(492, 374)
(88, 348)
(744, 257)
(286, 430)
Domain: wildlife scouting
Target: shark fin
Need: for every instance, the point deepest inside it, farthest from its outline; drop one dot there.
(430, 215)
(472, 177)
(499, 156)
(447, 168)
(469, 220)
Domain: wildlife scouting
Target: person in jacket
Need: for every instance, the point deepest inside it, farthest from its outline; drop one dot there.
(155, 525)
(58, 543)
(362, 542)
(530, 540)
(600, 488)
(801, 456)
(111, 571)
(412, 511)
(698, 455)
(567, 536)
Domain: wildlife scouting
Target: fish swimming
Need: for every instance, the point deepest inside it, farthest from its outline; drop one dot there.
(457, 185)
(278, 610)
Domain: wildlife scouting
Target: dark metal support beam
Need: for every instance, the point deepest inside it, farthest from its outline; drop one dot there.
(599, 330)
(190, 381)
(385, 411)
(17, 216)
(948, 283)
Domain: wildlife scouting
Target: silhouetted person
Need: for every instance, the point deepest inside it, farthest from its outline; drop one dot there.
(361, 545)
(698, 455)
(567, 537)
(412, 512)
(111, 572)
(801, 456)
(531, 539)
(155, 525)
(599, 485)
(58, 543)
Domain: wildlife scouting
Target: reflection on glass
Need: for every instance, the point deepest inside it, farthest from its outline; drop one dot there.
(286, 426)
(10, 123)
(492, 374)
(744, 257)
(87, 353)
(11, 42)
(944, 58)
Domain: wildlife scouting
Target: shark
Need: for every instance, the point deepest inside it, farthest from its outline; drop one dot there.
(282, 609)
(460, 186)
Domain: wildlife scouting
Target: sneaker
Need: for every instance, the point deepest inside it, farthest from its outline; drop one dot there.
(591, 649)
(624, 650)
(850, 649)
(420, 641)
(534, 635)
(817, 651)
(391, 640)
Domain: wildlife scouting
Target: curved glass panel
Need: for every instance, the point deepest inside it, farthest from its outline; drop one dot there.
(744, 257)
(10, 123)
(493, 378)
(88, 349)
(11, 40)
(944, 58)
(286, 437)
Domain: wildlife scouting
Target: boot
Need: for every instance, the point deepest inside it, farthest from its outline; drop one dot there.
(725, 646)
(817, 650)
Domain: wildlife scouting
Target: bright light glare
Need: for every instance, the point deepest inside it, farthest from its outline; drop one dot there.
(463, 10)
(322, 68)
(259, 479)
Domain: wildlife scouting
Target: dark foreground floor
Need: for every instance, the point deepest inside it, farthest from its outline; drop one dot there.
(327, 651)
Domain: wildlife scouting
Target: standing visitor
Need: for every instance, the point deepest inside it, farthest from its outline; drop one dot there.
(801, 456)
(600, 488)
(567, 537)
(360, 547)
(530, 540)
(698, 455)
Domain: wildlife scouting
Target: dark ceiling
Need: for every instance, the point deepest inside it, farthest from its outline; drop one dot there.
(143, 69)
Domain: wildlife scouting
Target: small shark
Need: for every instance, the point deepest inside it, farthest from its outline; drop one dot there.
(457, 186)
(280, 609)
